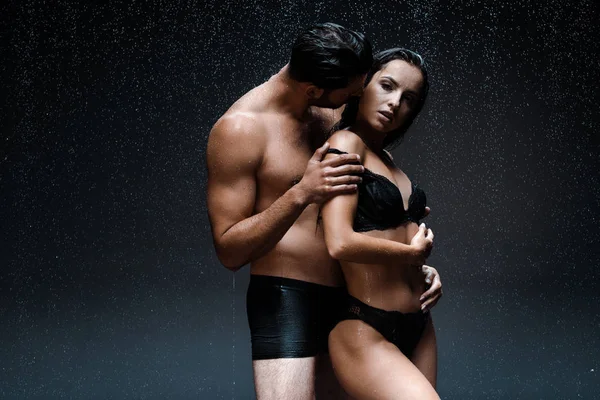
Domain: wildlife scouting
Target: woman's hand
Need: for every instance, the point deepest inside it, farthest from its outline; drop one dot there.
(422, 243)
(434, 292)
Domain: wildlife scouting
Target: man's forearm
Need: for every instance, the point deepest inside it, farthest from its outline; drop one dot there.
(257, 235)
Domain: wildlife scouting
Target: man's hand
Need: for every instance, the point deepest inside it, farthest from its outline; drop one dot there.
(433, 294)
(422, 243)
(323, 180)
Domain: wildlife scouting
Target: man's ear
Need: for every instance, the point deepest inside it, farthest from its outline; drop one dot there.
(313, 92)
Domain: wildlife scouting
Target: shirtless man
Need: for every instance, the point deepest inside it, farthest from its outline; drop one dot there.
(266, 181)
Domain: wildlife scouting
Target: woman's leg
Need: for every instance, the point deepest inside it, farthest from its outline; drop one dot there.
(327, 386)
(370, 367)
(425, 354)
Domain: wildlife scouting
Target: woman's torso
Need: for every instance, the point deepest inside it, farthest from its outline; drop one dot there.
(395, 287)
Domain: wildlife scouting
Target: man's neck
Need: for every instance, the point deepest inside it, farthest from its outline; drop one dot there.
(288, 95)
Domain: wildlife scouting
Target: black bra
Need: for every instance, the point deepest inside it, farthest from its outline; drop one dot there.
(380, 203)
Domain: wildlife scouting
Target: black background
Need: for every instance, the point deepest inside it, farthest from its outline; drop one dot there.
(109, 285)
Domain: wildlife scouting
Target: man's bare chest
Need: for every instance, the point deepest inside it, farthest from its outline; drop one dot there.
(288, 149)
(283, 166)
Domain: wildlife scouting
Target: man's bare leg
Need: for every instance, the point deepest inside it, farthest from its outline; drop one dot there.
(285, 378)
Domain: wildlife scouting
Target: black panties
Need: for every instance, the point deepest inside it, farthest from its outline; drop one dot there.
(402, 329)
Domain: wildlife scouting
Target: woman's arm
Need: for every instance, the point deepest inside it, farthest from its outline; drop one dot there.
(343, 243)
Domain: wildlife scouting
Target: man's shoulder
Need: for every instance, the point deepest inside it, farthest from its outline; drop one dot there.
(253, 102)
(236, 139)
(246, 117)
(238, 125)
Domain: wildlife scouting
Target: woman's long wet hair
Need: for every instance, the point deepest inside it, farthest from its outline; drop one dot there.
(380, 59)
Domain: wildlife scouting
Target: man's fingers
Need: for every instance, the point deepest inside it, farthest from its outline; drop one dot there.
(320, 152)
(430, 298)
(344, 180)
(342, 159)
(341, 189)
(436, 285)
(347, 169)
(428, 277)
(426, 295)
(427, 211)
(429, 304)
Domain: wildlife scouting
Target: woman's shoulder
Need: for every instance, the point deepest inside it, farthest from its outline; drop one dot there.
(347, 141)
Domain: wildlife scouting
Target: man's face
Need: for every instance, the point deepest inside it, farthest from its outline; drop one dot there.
(335, 98)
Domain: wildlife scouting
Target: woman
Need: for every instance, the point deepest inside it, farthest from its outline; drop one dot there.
(384, 347)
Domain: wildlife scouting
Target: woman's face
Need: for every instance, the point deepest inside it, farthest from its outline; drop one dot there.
(391, 97)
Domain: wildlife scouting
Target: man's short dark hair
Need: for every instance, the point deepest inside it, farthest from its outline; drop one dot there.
(330, 56)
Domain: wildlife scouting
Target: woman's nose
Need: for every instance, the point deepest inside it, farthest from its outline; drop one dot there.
(395, 100)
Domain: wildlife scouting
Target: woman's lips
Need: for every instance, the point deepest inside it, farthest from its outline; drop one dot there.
(387, 115)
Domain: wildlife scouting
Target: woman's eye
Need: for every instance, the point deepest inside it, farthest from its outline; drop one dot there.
(386, 86)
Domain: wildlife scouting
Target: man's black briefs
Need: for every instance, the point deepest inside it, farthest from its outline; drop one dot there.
(402, 329)
(289, 318)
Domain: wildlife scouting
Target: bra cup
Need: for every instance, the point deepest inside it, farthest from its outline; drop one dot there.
(417, 203)
(380, 203)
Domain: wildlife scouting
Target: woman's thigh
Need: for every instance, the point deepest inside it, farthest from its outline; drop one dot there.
(424, 356)
(370, 367)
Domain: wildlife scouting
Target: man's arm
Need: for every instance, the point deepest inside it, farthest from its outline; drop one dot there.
(234, 154)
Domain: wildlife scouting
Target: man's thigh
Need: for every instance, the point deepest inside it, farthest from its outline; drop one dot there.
(285, 378)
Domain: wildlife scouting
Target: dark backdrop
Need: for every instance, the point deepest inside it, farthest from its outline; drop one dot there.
(109, 285)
